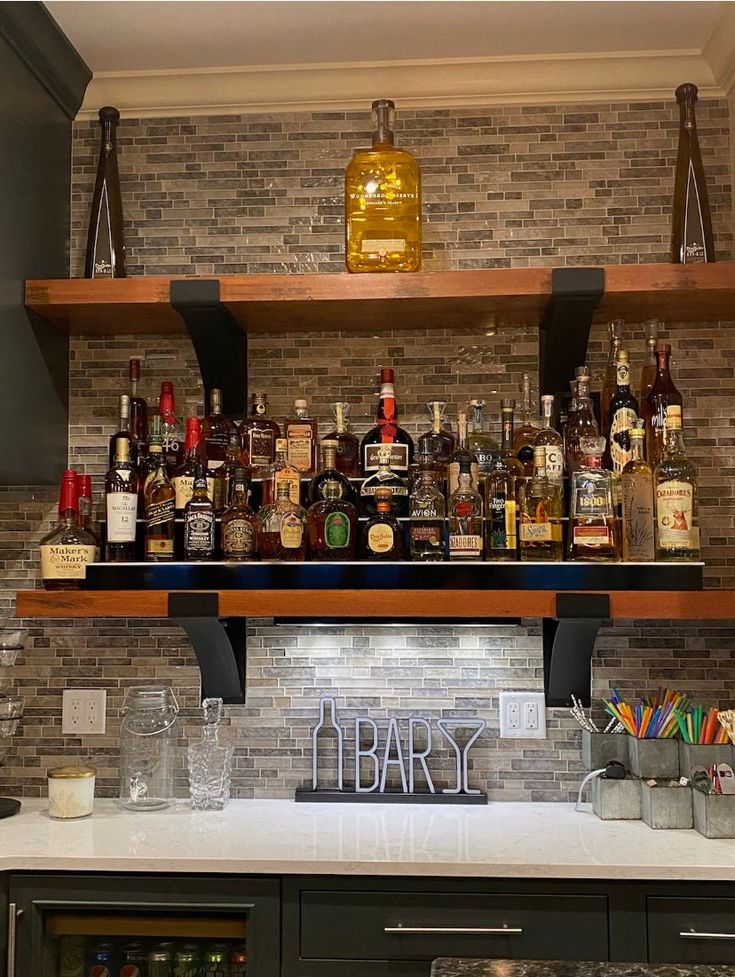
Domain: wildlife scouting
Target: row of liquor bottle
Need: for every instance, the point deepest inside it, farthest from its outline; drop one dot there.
(80, 957)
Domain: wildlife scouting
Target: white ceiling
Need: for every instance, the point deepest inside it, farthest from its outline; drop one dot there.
(140, 36)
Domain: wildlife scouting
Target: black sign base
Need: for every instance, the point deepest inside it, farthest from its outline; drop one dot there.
(305, 796)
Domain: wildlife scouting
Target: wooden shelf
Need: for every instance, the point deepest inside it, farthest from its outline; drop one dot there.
(424, 300)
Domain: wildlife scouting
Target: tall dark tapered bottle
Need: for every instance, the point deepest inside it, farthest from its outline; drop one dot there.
(691, 229)
(105, 241)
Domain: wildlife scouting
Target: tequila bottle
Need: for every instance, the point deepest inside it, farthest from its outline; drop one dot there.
(210, 764)
(460, 452)
(593, 530)
(525, 435)
(105, 256)
(650, 364)
(580, 425)
(479, 440)
(506, 447)
(348, 446)
(540, 513)
(637, 490)
(438, 442)
(464, 516)
(427, 510)
(332, 525)
(550, 440)
(500, 506)
(691, 228)
(383, 202)
(675, 484)
(382, 535)
(614, 329)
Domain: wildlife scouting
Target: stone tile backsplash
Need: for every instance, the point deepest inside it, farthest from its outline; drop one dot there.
(518, 187)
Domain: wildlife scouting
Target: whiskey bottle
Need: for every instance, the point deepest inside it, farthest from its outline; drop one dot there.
(69, 547)
(479, 440)
(460, 452)
(121, 503)
(283, 529)
(239, 522)
(550, 440)
(650, 364)
(623, 414)
(172, 435)
(382, 534)
(387, 431)
(427, 511)
(138, 409)
(662, 395)
(506, 445)
(105, 256)
(86, 511)
(437, 441)
(383, 202)
(332, 523)
(329, 473)
(675, 485)
(185, 474)
(540, 513)
(580, 425)
(258, 435)
(691, 227)
(464, 517)
(200, 523)
(348, 446)
(384, 477)
(159, 501)
(216, 432)
(225, 473)
(637, 490)
(280, 472)
(593, 530)
(524, 436)
(123, 431)
(301, 431)
(614, 329)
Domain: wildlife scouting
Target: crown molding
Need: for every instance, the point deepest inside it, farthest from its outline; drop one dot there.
(530, 80)
(719, 51)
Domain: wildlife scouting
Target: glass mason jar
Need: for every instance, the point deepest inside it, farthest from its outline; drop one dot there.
(147, 742)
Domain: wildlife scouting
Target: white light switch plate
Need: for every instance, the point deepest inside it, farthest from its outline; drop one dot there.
(522, 715)
(83, 711)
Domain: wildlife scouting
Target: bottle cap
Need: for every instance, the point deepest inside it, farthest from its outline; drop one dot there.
(638, 431)
(546, 398)
(85, 486)
(509, 404)
(124, 406)
(109, 114)
(383, 102)
(300, 404)
(386, 375)
(477, 403)
(259, 396)
(686, 92)
(69, 491)
(663, 347)
(465, 465)
(167, 401)
(134, 368)
(673, 417)
(215, 400)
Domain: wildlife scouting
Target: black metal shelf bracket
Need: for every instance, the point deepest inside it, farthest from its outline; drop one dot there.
(569, 642)
(565, 327)
(219, 644)
(221, 346)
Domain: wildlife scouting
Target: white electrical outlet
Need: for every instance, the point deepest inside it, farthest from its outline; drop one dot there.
(83, 711)
(523, 715)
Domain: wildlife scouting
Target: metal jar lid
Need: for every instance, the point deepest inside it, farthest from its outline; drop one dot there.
(71, 773)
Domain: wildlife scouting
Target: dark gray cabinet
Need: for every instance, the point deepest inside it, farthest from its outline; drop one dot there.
(700, 930)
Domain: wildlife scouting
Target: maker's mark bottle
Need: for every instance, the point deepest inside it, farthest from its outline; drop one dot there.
(105, 257)
(691, 230)
(383, 202)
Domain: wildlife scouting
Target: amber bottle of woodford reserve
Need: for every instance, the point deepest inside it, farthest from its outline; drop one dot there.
(383, 202)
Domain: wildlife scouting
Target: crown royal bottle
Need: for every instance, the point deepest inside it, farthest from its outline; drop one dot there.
(691, 229)
(105, 257)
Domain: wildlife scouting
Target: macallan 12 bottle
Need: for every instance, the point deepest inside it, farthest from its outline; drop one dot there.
(69, 547)
(383, 202)
(387, 431)
(121, 501)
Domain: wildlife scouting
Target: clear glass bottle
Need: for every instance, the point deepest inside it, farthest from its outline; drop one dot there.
(614, 331)
(524, 436)
(460, 452)
(210, 762)
(258, 435)
(200, 524)
(332, 525)
(582, 424)
(121, 505)
(172, 432)
(427, 511)
(216, 432)
(348, 446)
(691, 226)
(383, 202)
(661, 396)
(507, 451)
(638, 516)
(69, 547)
(123, 431)
(382, 535)
(650, 364)
(551, 441)
(147, 748)
(239, 527)
(283, 528)
(105, 255)
(301, 433)
(437, 441)
(675, 487)
(593, 532)
(623, 414)
(159, 502)
(568, 425)
(501, 536)
(540, 513)
(384, 477)
(479, 440)
(387, 430)
(329, 473)
(278, 473)
(464, 518)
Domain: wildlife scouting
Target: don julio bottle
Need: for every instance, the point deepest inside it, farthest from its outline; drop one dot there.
(383, 202)
(105, 257)
(691, 228)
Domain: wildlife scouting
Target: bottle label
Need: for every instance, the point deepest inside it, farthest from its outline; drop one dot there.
(300, 446)
(453, 476)
(238, 538)
(485, 459)
(464, 545)
(398, 457)
(621, 445)
(380, 538)
(159, 547)
(122, 511)
(554, 457)
(61, 562)
(591, 501)
(171, 444)
(290, 478)
(337, 531)
(292, 531)
(397, 489)
(502, 528)
(199, 527)
(261, 446)
(540, 532)
(638, 541)
(184, 487)
(428, 532)
(674, 512)
(383, 246)
(158, 513)
(592, 536)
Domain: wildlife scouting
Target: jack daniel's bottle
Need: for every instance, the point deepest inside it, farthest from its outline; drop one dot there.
(691, 231)
(105, 256)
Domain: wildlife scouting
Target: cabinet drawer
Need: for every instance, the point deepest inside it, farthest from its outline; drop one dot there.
(344, 925)
(691, 930)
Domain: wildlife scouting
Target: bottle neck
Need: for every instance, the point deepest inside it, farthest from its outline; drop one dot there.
(258, 408)
(109, 136)
(547, 413)
(662, 364)
(507, 437)
(387, 409)
(673, 441)
(462, 431)
(464, 481)
(339, 417)
(329, 455)
(478, 418)
(383, 134)
(636, 449)
(382, 507)
(436, 419)
(282, 494)
(593, 461)
(193, 436)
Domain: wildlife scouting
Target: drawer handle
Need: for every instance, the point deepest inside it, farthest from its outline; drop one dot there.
(487, 930)
(694, 935)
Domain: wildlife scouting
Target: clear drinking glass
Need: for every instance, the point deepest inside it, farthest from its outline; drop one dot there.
(11, 643)
(210, 763)
(147, 740)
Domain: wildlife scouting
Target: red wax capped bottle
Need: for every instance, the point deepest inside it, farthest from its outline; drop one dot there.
(387, 431)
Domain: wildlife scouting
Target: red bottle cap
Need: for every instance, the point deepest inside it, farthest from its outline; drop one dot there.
(193, 433)
(85, 486)
(69, 491)
(386, 375)
(135, 370)
(167, 401)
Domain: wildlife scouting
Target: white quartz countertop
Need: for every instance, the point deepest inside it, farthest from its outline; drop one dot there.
(509, 840)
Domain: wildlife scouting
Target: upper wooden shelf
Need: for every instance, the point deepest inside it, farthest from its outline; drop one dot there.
(452, 299)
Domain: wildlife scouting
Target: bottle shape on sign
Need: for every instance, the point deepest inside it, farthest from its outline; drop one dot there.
(387, 431)
(675, 488)
(69, 547)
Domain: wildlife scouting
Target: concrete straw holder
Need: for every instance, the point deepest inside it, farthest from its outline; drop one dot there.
(664, 806)
(658, 759)
(616, 800)
(598, 749)
(714, 814)
(694, 755)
